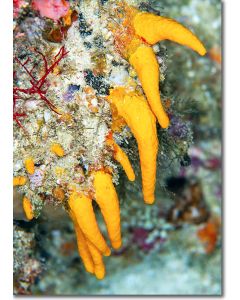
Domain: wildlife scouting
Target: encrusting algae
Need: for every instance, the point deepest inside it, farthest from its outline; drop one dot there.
(76, 157)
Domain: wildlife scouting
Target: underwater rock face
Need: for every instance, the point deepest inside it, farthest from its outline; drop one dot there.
(26, 268)
(77, 98)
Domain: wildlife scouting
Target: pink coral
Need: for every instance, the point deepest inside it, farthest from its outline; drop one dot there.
(53, 9)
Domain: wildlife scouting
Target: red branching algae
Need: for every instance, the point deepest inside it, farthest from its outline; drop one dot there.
(37, 85)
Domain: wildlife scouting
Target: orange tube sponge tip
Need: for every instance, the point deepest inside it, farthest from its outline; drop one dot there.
(29, 165)
(57, 149)
(99, 268)
(138, 116)
(145, 64)
(156, 28)
(27, 207)
(19, 180)
(121, 157)
(107, 199)
(85, 217)
(82, 246)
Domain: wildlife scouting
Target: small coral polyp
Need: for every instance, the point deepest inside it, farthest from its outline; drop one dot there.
(66, 143)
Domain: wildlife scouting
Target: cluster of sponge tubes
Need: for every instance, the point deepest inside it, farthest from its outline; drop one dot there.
(140, 115)
(91, 243)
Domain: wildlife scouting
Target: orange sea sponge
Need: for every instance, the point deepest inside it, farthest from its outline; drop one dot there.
(138, 116)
